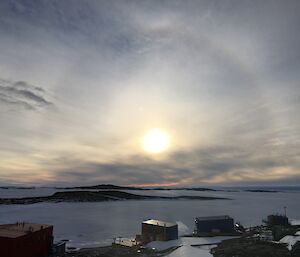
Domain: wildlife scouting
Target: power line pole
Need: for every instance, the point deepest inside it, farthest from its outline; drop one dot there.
(284, 210)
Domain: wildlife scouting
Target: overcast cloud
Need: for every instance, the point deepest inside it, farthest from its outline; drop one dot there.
(82, 81)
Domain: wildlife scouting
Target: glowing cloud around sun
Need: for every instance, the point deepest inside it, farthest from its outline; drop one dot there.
(155, 141)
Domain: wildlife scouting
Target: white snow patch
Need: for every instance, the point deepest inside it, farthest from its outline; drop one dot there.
(182, 228)
(207, 247)
(204, 240)
(187, 241)
(79, 244)
(294, 222)
(189, 251)
(290, 240)
(163, 245)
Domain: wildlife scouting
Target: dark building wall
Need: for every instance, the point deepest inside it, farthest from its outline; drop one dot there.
(296, 249)
(33, 244)
(158, 233)
(277, 220)
(6, 247)
(59, 248)
(172, 233)
(220, 225)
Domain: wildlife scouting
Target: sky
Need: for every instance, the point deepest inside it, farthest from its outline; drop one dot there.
(82, 82)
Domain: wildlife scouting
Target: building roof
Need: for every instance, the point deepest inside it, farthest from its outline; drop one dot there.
(159, 223)
(224, 217)
(20, 229)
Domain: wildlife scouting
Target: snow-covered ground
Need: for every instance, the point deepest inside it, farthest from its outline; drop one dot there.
(295, 222)
(96, 224)
(291, 240)
(190, 251)
(187, 241)
(189, 246)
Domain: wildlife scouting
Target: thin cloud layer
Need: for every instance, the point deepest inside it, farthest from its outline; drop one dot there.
(220, 77)
(218, 165)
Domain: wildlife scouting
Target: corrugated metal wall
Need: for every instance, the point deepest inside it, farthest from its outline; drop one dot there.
(34, 244)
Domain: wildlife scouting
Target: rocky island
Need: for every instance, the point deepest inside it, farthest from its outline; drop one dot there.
(98, 196)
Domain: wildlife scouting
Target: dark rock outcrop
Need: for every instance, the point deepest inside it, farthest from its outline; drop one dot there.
(96, 196)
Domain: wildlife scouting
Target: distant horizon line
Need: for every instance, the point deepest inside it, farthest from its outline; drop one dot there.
(12, 185)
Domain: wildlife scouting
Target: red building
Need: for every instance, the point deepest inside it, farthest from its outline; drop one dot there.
(25, 240)
(156, 230)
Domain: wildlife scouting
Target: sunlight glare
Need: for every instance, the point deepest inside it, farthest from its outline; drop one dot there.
(155, 141)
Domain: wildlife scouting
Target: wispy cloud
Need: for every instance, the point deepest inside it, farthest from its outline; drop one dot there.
(21, 94)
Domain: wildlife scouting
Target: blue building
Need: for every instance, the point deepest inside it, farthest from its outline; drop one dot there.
(214, 224)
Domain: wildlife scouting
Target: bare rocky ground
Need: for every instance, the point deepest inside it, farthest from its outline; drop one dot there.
(245, 247)
(241, 247)
(98, 196)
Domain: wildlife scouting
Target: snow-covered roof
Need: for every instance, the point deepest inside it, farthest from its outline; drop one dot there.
(159, 223)
(20, 229)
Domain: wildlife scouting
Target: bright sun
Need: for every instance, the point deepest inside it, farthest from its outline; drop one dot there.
(155, 141)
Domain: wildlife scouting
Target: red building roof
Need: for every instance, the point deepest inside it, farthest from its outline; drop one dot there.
(20, 229)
